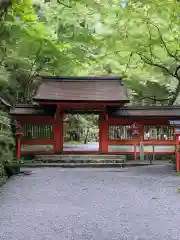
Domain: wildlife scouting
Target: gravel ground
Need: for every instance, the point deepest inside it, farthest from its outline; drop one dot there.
(84, 204)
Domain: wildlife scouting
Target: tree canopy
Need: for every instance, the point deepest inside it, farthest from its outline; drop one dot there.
(135, 39)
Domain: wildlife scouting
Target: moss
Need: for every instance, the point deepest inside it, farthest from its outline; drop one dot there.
(29, 157)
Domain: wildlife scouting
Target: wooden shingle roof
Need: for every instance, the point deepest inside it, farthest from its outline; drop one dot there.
(130, 111)
(147, 111)
(81, 89)
(32, 109)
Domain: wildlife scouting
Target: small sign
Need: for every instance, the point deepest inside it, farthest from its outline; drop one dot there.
(135, 125)
(174, 123)
(177, 130)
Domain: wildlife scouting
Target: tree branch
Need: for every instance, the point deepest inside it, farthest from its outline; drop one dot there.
(65, 5)
(175, 75)
(33, 64)
(176, 72)
(155, 99)
(33, 74)
(173, 55)
(128, 62)
(175, 95)
(149, 62)
(150, 39)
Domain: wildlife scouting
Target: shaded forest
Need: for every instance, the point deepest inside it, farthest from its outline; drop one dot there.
(138, 40)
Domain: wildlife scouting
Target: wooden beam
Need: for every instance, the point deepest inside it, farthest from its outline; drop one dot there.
(140, 120)
(146, 142)
(37, 142)
(73, 104)
(35, 119)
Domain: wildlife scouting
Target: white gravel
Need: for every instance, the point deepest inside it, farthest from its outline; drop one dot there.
(85, 204)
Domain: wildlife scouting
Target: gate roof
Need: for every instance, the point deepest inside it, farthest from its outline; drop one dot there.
(81, 89)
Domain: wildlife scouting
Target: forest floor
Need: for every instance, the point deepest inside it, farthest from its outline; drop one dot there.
(85, 204)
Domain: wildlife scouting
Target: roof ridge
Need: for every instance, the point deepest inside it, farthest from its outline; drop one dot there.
(6, 103)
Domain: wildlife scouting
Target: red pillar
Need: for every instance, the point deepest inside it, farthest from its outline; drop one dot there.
(18, 145)
(18, 148)
(103, 132)
(58, 131)
(177, 154)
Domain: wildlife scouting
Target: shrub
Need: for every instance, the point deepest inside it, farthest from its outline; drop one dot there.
(7, 143)
(173, 159)
(11, 169)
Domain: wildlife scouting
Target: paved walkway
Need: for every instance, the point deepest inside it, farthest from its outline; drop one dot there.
(85, 204)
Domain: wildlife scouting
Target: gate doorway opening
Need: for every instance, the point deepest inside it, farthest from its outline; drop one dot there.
(81, 132)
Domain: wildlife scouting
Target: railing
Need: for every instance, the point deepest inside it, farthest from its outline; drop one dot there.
(118, 132)
(158, 133)
(37, 131)
(160, 141)
(37, 138)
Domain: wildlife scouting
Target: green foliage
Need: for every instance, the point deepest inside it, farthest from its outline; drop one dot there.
(81, 127)
(139, 42)
(7, 143)
(41, 38)
(145, 43)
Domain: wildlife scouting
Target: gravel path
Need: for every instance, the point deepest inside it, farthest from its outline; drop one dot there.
(85, 204)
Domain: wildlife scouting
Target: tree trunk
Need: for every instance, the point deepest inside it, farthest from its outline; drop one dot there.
(175, 95)
(86, 137)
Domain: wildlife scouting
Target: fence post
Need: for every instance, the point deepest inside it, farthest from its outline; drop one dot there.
(153, 153)
(135, 152)
(141, 151)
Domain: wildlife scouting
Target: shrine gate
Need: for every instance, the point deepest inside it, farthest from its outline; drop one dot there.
(122, 129)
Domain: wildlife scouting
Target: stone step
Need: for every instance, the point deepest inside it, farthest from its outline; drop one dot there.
(72, 165)
(81, 158)
(84, 165)
(80, 161)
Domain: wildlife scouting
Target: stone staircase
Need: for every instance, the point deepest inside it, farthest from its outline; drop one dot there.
(75, 160)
